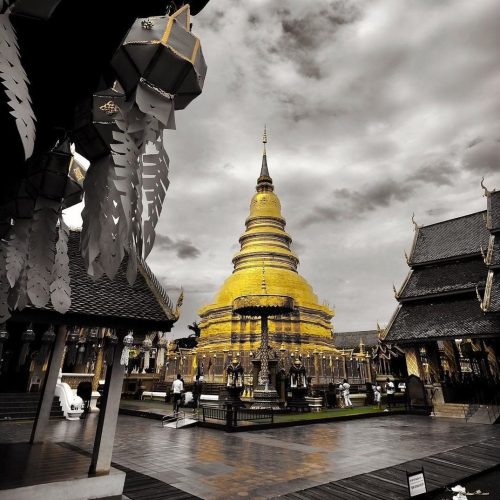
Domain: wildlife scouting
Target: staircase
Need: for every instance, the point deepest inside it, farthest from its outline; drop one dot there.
(23, 406)
(470, 413)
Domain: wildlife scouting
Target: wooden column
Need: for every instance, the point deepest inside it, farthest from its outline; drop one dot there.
(108, 416)
(98, 368)
(49, 387)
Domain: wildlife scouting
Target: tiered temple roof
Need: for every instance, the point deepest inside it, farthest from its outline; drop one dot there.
(453, 263)
(143, 305)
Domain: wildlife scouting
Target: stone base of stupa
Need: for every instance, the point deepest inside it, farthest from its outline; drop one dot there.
(265, 399)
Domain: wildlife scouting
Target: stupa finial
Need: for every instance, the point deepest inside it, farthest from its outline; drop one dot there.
(264, 171)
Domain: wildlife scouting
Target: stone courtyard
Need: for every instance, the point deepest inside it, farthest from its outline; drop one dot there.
(263, 464)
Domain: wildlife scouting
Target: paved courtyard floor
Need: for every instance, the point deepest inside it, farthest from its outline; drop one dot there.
(263, 464)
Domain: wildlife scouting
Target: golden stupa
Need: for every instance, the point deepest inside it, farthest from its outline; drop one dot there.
(265, 267)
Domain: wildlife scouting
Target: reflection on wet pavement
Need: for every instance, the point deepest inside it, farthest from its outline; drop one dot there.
(263, 464)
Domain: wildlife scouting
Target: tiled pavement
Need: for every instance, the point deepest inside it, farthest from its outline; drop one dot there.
(262, 464)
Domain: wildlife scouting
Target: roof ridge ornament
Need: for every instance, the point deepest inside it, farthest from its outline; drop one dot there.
(417, 226)
(479, 298)
(487, 192)
(407, 257)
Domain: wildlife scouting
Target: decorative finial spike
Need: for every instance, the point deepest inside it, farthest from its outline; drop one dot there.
(264, 171)
(394, 290)
(414, 223)
(487, 192)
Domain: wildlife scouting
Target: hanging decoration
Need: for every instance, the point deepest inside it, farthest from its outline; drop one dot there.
(4, 336)
(27, 337)
(72, 346)
(48, 338)
(90, 345)
(158, 69)
(110, 343)
(128, 342)
(15, 84)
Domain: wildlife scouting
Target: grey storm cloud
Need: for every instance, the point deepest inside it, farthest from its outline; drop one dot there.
(184, 249)
(374, 110)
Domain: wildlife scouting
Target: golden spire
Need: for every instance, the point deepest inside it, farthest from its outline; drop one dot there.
(264, 171)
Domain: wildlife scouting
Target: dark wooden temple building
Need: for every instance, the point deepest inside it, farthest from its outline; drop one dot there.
(448, 318)
(104, 322)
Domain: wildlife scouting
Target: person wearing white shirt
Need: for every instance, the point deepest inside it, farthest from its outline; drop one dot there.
(177, 388)
(347, 399)
(390, 389)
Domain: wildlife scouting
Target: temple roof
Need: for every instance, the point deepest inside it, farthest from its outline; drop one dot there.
(448, 277)
(460, 318)
(454, 238)
(351, 340)
(494, 211)
(144, 305)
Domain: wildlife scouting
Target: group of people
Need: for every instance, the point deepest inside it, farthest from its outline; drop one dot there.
(178, 391)
(345, 393)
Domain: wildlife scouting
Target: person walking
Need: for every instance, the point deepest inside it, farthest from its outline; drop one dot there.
(177, 388)
(197, 388)
(346, 392)
(390, 389)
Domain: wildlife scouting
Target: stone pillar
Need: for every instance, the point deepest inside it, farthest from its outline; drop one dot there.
(108, 416)
(412, 359)
(49, 387)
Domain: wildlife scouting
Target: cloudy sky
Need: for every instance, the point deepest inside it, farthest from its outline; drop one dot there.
(374, 110)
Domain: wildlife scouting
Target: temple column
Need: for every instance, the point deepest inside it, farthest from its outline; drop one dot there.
(412, 359)
(97, 368)
(452, 357)
(492, 359)
(49, 387)
(108, 416)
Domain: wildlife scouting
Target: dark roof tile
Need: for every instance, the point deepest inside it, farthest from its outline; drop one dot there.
(445, 278)
(451, 238)
(494, 211)
(114, 299)
(350, 340)
(421, 320)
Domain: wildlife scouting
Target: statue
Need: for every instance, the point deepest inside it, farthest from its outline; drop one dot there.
(235, 383)
(298, 375)
(298, 386)
(235, 374)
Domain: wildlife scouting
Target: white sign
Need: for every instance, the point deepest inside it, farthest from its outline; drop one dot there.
(416, 484)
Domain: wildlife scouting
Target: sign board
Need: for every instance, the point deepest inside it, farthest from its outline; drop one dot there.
(416, 483)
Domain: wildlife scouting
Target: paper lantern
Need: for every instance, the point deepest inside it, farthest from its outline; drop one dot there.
(162, 53)
(35, 8)
(50, 179)
(95, 123)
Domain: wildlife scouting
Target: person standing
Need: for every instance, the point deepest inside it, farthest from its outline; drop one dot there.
(177, 388)
(197, 388)
(377, 395)
(390, 389)
(346, 392)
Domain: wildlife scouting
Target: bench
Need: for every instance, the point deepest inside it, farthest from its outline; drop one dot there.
(153, 394)
(209, 400)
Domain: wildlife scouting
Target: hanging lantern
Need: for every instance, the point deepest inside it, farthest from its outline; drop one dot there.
(162, 53)
(4, 336)
(128, 342)
(50, 178)
(147, 344)
(110, 342)
(27, 337)
(72, 347)
(90, 344)
(95, 123)
(73, 193)
(34, 8)
(81, 353)
(48, 338)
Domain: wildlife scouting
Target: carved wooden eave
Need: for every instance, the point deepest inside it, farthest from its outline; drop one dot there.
(398, 294)
(409, 258)
(485, 303)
